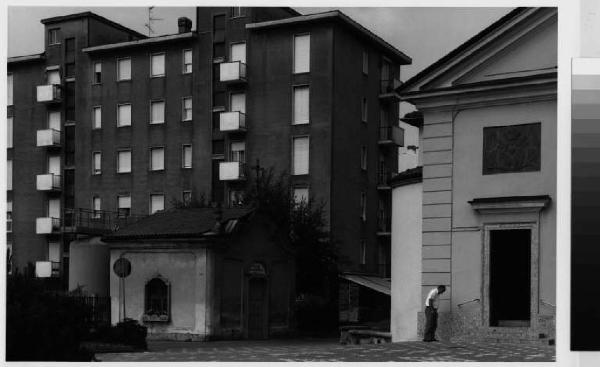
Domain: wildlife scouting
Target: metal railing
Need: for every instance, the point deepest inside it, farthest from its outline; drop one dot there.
(467, 302)
(81, 220)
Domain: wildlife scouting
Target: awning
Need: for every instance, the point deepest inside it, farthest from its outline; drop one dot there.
(381, 285)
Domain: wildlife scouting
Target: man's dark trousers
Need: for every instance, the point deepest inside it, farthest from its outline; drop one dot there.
(431, 317)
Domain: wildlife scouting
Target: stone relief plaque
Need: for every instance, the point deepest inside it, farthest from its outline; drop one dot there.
(513, 148)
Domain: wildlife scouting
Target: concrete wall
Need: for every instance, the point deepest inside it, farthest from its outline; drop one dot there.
(89, 266)
(187, 272)
(407, 253)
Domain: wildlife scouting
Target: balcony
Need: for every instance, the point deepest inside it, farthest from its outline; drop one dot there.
(387, 91)
(48, 182)
(391, 136)
(232, 121)
(48, 138)
(49, 93)
(47, 225)
(232, 72)
(96, 222)
(384, 223)
(383, 176)
(232, 171)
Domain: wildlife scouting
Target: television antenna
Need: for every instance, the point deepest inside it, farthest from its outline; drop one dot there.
(151, 19)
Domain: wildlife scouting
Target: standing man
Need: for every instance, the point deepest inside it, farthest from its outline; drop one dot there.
(431, 315)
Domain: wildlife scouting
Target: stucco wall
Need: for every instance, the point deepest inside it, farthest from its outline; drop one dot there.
(406, 261)
(186, 271)
(89, 266)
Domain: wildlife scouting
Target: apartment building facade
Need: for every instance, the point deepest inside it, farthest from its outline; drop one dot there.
(108, 124)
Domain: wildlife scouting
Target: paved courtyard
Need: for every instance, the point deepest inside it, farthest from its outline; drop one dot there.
(329, 350)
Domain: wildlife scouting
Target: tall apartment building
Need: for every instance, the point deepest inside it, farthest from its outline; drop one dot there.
(107, 124)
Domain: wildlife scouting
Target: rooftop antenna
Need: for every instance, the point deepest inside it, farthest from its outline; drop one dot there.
(150, 21)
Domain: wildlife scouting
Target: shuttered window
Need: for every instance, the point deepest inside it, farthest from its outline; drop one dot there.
(238, 151)
(186, 109)
(186, 156)
(302, 53)
(124, 205)
(97, 117)
(9, 89)
(97, 77)
(97, 163)
(238, 52)
(124, 115)
(54, 120)
(301, 105)
(157, 64)
(238, 102)
(53, 77)
(157, 159)
(124, 161)
(157, 203)
(157, 112)
(9, 132)
(300, 194)
(9, 174)
(124, 69)
(300, 155)
(187, 61)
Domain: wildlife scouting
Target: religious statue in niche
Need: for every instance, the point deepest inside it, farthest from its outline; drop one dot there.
(513, 148)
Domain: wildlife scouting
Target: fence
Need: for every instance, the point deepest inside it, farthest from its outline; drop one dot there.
(99, 308)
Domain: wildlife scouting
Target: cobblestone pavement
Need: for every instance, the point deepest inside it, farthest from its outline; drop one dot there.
(329, 350)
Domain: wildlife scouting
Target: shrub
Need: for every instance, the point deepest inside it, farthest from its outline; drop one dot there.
(127, 332)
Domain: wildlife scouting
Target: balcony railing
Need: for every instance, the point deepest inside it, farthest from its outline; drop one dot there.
(47, 225)
(388, 89)
(391, 135)
(384, 223)
(88, 221)
(48, 138)
(232, 121)
(383, 176)
(232, 171)
(49, 93)
(232, 72)
(48, 182)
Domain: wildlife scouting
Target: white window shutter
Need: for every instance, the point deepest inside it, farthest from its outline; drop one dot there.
(124, 164)
(124, 67)
(238, 52)
(157, 112)
(97, 203)
(301, 156)
(158, 64)
(9, 92)
(238, 102)
(54, 208)
(53, 77)
(97, 162)
(97, 117)
(54, 252)
(124, 115)
(302, 53)
(157, 202)
(54, 120)
(187, 156)
(54, 164)
(9, 171)
(9, 132)
(158, 158)
(301, 105)
(124, 202)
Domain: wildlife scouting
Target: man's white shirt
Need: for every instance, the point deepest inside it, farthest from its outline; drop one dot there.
(433, 297)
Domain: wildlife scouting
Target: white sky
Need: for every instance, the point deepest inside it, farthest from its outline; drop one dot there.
(425, 34)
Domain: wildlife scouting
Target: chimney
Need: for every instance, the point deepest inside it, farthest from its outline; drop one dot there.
(184, 24)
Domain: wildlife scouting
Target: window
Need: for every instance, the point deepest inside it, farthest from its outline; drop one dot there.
(9, 132)
(124, 161)
(238, 151)
(97, 77)
(238, 52)
(157, 203)
(186, 156)
(157, 299)
(157, 159)
(363, 206)
(53, 37)
(300, 155)
(236, 198)
(124, 115)
(70, 70)
(363, 157)
(69, 48)
(514, 148)
(96, 117)
(186, 109)
(9, 174)
(186, 197)
(364, 110)
(96, 163)
(124, 205)
(187, 61)
(302, 53)
(54, 120)
(301, 105)
(237, 11)
(9, 89)
(157, 65)
(363, 252)
(157, 112)
(52, 76)
(365, 62)
(97, 207)
(300, 195)
(124, 69)
(9, 216)
(237, 102)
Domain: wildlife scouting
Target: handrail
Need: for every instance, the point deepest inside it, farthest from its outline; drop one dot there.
(464, 303)
(547, 303)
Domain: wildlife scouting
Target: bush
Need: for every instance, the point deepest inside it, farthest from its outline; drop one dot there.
(127, 332)
(43, 325)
